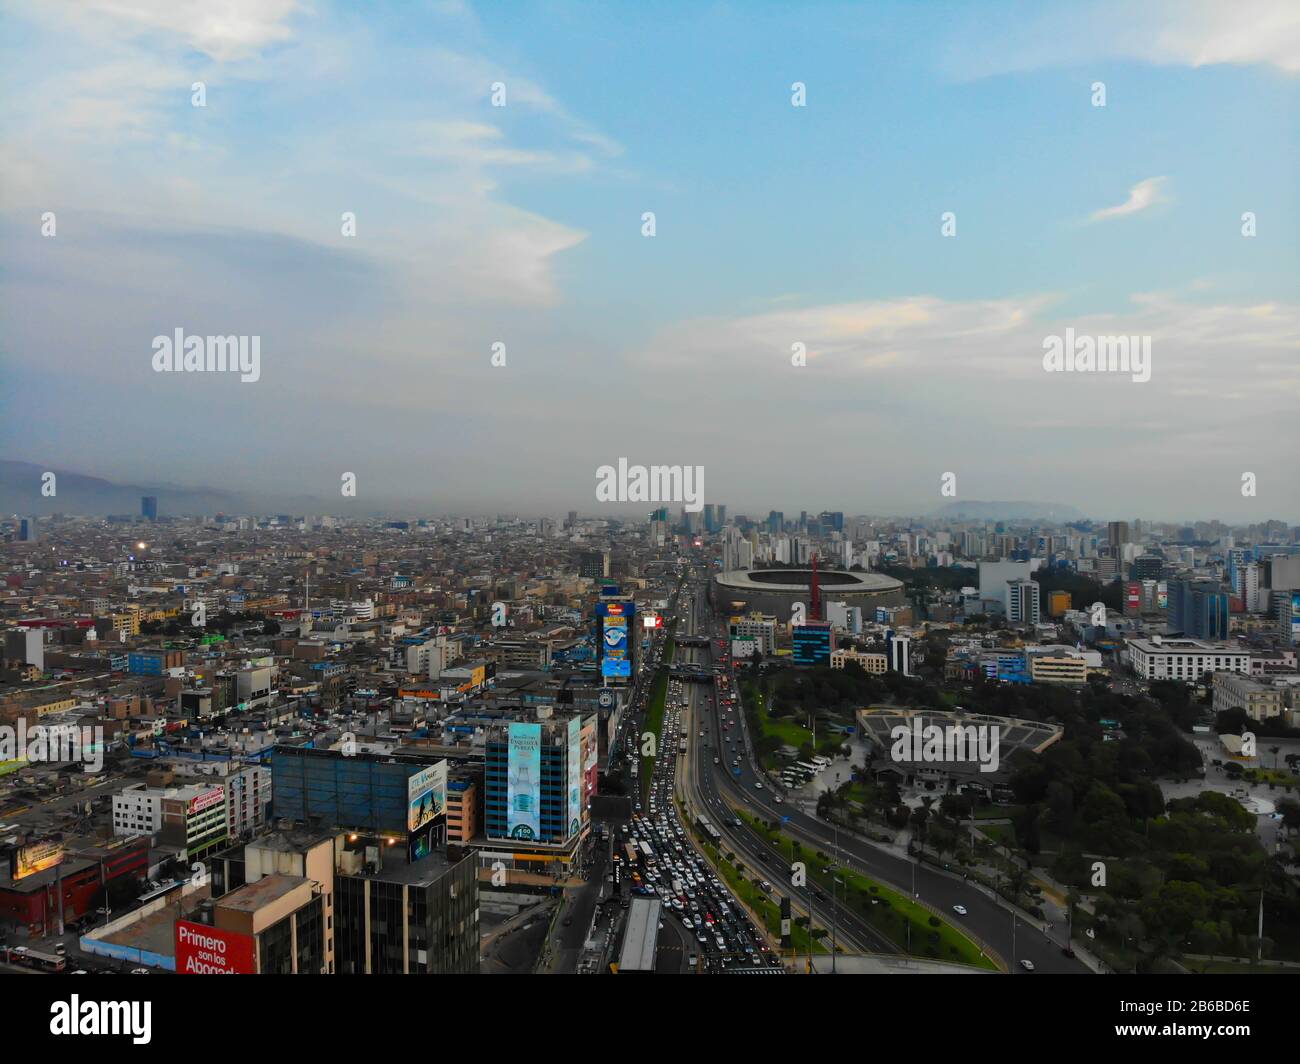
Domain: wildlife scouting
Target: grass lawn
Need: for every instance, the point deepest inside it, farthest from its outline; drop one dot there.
(784, 729)
(884, 909)
(1002, 833)
(654, 720)
(998, 812)
(1228, 968)
(768, 910)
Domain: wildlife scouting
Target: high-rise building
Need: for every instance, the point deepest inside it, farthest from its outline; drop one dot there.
(26, 645)
(1023, 602)
(897, 648)
(594, 564)
(1116, 535)
(1198, 608)
(533, 781)
(149, 507)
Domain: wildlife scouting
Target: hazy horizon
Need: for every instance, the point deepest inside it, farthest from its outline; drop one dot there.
(515, 216)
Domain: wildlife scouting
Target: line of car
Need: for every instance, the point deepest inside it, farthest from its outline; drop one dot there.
(679, 876)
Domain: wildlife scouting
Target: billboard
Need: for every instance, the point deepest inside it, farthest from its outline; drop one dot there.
(203, 950)
(523, 781)
(1295, 616)
(574, 766)
(426, 795)
(33, 858)
(614, 658)
(206, 800)
(1133, 597)
(590, 755)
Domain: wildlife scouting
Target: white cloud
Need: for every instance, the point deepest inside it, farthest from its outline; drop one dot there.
(1192, 33)
(1141, 196)
(220, 29)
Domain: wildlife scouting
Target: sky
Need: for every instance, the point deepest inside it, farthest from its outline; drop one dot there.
(774, 225)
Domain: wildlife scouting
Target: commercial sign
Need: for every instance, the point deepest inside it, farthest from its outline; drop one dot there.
(523, 781)
(574, 767)
(426, 795)
(33, 858)
(1295, 616)
(614, 660)
(205, 800)
(590, 755)
(203, 950)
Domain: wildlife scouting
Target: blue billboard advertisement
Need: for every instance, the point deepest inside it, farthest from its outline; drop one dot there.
(1295, 616)
(524, 781)
(614, 660)
(574, 764)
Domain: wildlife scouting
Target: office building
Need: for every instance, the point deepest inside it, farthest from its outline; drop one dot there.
(25, 646)
(873, 663)
(1023, 602)
(594, 564)
(811, 643)
(149, 507)
(1184, 659)
(534, 790)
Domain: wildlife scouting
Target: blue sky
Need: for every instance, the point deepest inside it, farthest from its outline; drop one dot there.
(775, 225)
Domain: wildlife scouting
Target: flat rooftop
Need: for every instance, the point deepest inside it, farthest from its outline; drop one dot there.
(253, 896)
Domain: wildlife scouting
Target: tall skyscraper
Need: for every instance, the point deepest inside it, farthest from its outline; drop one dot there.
(149, 507)
(1116, 535)
(1023, 602)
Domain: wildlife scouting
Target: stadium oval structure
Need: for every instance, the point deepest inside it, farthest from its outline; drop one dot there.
(775, 591)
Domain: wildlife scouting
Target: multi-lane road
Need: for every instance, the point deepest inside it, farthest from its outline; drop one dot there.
(737, 782)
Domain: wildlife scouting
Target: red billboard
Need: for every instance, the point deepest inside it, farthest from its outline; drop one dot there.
(203, 950)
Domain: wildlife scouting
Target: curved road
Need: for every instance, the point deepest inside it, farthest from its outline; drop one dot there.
(1008, 933)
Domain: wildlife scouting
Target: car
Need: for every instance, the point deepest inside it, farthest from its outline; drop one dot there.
(777, 799)
(1067, 951)
(1027, 965)
(757, 786)
(960, 910)
(139, 971)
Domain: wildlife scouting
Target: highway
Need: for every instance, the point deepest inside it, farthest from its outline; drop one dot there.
(1011, 936)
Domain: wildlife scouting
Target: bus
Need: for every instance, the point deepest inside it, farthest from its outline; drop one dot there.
(647, 854)
(32, 958)
(710, 832)
(629, 849)
(806, 767)
(681, 745)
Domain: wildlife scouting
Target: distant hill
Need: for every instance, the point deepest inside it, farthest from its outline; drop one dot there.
(20, 493)
(978, 510)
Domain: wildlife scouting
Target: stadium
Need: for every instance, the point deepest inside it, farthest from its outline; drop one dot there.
(775, 591)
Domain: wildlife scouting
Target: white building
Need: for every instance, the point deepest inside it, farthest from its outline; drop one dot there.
(1184, 659)
(137, 810)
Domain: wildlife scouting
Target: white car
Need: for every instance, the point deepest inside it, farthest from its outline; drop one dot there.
(1027, 965)
(960, 910)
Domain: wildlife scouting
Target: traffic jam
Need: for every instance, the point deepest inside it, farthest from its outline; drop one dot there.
(664, 863)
